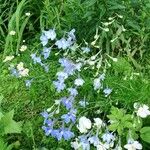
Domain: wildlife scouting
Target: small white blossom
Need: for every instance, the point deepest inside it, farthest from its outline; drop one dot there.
(79, 82)
(143, 111)
(23, 48)
(84, 124)
(12, 32)
(28, 14)
(98, 122)
(76, 145)
(8, 58)
(133, 146)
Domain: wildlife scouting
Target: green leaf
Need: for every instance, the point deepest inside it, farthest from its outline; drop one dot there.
(145, 134)
(10, 126)
(113, 126)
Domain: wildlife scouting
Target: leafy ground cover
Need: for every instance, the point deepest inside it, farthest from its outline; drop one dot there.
(74, 74)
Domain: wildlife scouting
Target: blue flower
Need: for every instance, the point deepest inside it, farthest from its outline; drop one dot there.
(28, 83)
(69, 67)
(84, 142)
(107, 92)
(50, 34)
(46, 67)
(44, 39)
(67, 102)
(59, 85)
(70, 116)
(47, 130)
(73, 91)
(46, 52)
(62, 44)
(36, 59)
(62, 133)
(14, 72)
(86, 49)
(108, 137)
(94, 140)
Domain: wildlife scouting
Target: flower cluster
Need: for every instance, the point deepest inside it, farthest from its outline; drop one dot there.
(19, 71)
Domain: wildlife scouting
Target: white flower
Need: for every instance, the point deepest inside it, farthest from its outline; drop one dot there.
(143, 111)
(12, 32)
(28, 14)
(84, 124)
(97, 84)
(23, 48)
(24, 72)
(101, 147)
(20, 66)
(133, 146)
(79, 82)
(76, 145)
(98, 122)
(8, 58)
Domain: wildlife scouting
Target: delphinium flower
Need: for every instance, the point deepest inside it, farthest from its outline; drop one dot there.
(36, 59)
(108, 137)
(50, 34)
(46, 52)
(70, 116)
(107, 91)
(85, 144)
(98, 82)
(59, 85)
(79, 82)
(66, 43)
(67, 102)
(46, 35)
(62, 133)
(62, 44)
(73, 91)
(28, 83)
(69, 66)
(85, 49)
(94, 140)
(133, 145)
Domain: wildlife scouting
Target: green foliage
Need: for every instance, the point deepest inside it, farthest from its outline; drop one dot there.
(120, 121)
(145, 134)
(8, 125)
